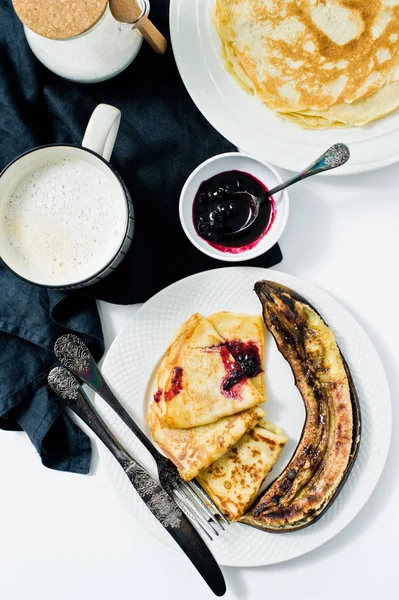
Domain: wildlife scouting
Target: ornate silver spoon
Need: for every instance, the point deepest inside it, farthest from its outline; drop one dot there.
(334, 157)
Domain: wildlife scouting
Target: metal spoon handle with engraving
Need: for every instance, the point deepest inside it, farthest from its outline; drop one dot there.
(162, 506)
(73, 353)
(334, 157)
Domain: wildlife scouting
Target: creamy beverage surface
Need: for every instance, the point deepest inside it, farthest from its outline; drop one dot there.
(64, 221)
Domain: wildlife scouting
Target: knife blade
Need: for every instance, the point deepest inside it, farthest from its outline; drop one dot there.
(162, 506)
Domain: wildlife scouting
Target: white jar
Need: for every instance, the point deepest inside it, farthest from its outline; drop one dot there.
(96, 55)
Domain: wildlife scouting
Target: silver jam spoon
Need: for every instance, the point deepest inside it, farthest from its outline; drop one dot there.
(334, 157)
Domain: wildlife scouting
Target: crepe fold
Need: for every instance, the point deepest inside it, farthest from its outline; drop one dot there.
(191, 379)
(234, 480)
(194, 449)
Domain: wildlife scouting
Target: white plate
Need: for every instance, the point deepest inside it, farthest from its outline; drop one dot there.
(250, 125)
(129, 368)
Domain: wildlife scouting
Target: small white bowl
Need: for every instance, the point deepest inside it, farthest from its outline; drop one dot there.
(228, 162)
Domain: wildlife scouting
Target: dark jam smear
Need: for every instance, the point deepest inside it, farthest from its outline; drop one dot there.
(158, 396)
(217, 210)
(247, 356)
(246, 362)
(233, 370)
(176, 386)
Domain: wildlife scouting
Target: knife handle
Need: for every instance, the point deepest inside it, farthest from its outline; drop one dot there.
(162, 506)
(159, 502)
(82, 406)
(73, 353)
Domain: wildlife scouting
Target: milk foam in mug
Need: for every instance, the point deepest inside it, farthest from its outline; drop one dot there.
(66, 216)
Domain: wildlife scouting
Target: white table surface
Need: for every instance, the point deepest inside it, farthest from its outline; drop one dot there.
(68, 537)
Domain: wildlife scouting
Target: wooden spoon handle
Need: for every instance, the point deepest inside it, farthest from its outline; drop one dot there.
(152, 35)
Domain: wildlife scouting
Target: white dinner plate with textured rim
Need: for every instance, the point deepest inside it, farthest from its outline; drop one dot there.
(250, 125)
(129, 369)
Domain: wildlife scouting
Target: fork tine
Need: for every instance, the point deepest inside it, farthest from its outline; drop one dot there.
(200, 490)
(188, 514)
(194, 496)
(188, 500)
(198, 508)
(199, 519)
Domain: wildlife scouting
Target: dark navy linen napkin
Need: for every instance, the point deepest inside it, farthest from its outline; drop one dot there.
(31, 319)
(162, 138)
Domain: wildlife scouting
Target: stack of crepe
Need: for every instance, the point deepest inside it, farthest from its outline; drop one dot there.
(218, 436)
(320, 63)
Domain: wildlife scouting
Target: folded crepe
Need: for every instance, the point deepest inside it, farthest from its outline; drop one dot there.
(234, 480)
(192, 450)
(199, 381)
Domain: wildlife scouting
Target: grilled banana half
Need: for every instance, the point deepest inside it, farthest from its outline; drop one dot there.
(331, 434)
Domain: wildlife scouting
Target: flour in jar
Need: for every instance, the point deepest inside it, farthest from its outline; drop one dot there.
(64, 221)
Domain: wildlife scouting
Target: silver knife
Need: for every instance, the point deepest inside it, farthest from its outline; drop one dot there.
(162, 506)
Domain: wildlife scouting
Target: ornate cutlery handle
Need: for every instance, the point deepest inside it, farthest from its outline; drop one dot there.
(68, 388)
(158, 501)
(334, 157)
(73, 353)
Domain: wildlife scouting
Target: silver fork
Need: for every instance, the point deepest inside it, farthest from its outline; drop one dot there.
(73, 353)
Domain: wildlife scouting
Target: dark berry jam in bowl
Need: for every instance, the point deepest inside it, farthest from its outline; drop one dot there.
(210, 207)
(220, 207)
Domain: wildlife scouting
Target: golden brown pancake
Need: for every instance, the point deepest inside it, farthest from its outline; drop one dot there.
(320, 63)
(192, 450)
(233, 481)
(195, 380)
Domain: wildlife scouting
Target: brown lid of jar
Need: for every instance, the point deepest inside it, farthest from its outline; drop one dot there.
(59, 19)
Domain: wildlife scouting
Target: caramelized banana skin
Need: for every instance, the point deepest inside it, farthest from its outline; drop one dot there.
(330, 438)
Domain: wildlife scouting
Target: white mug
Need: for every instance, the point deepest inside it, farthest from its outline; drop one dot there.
(96, 150)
